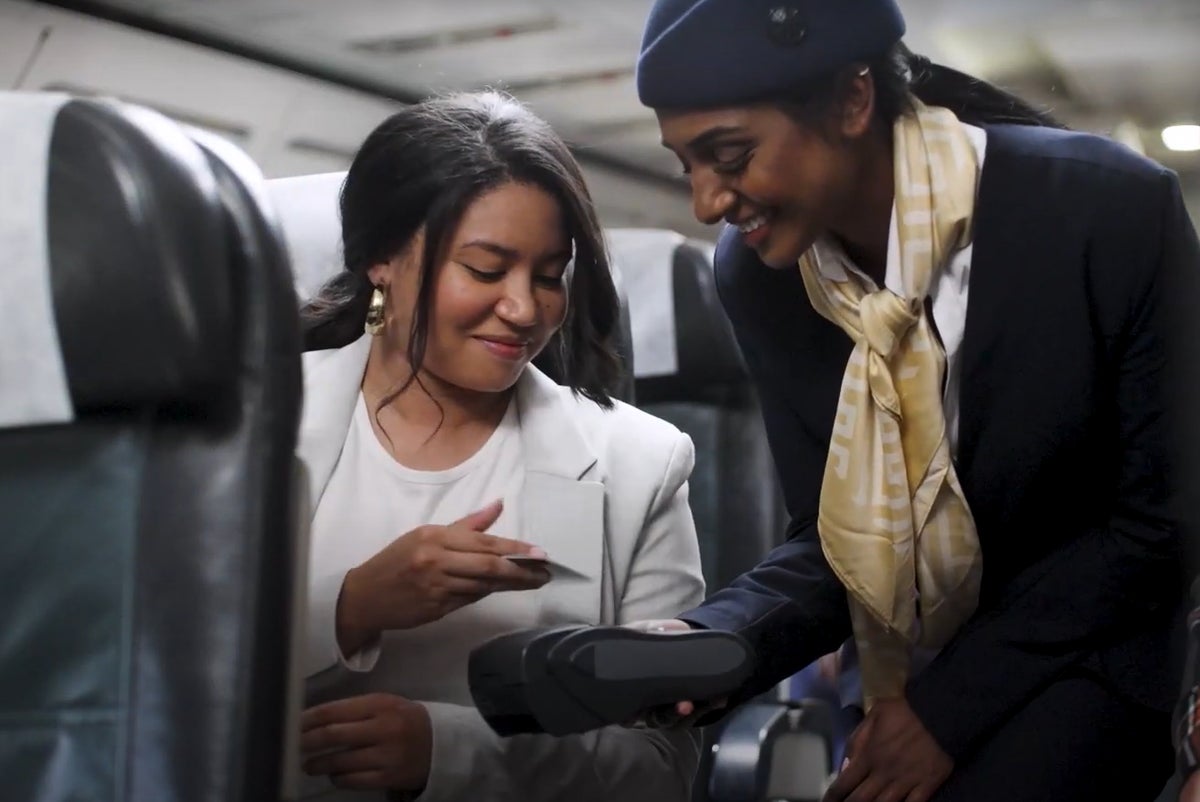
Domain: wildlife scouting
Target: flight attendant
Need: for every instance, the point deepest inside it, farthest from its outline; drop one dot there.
(971, 331)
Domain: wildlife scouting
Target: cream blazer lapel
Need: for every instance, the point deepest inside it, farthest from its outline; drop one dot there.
(562, 504)
(332, 380)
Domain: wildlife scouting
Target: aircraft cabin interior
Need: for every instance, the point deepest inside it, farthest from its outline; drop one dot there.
(228, 574)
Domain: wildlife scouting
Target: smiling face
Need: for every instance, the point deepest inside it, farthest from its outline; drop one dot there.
(782, 181)
(499, 294)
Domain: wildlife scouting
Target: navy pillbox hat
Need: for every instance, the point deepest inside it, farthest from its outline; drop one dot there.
(707, 53)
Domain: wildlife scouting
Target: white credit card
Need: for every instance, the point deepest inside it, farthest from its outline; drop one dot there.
(557, 570)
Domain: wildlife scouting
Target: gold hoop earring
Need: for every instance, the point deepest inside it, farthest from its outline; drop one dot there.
(375, 313)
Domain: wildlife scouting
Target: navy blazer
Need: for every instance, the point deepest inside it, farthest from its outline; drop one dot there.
(1080, 348)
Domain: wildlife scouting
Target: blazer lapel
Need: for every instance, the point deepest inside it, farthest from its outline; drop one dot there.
(561, 510)
(332, 380)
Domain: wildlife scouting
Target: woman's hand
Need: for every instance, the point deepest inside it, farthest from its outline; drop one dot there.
(429, 572)
(373, 742)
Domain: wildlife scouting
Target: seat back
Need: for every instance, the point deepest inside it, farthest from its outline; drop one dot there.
(781, 752)
(308, 211)
(149, 565)
(690, 372)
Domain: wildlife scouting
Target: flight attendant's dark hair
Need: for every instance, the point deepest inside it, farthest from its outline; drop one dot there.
(900, 75)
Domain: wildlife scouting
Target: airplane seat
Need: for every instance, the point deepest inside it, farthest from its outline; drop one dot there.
(777, 751)
(148, 417)
(689, 371)
(311, 221)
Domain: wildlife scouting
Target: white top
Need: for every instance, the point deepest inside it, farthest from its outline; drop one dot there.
(948, 297)
(371, 500)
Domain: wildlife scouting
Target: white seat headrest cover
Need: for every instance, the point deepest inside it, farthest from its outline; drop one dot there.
(33, 378)
(307, 209)
(645, 258)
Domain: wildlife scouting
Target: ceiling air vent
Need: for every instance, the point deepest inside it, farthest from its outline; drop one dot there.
(325, 150)
(398, 44)
(562, 81)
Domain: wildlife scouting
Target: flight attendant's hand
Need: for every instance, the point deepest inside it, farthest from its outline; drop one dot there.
(686, 712)
(373, 742)
(829, 668)
(1190, 792)
(891, 756)
(429, 572)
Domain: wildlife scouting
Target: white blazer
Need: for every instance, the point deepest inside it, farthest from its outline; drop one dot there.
(605, 494)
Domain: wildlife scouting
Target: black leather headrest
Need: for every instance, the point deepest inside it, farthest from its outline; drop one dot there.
(622, 341)
(707, 351)
(138, 243)
(707, 362)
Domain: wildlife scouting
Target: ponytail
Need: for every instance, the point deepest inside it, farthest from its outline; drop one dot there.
(974, 101)
(899, 76)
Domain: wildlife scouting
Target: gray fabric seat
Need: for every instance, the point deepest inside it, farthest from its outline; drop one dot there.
(689, 371)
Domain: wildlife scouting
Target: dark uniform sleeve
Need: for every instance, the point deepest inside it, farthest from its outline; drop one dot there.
(791, 607)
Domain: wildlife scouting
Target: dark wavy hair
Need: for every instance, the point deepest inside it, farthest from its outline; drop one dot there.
(424, 166)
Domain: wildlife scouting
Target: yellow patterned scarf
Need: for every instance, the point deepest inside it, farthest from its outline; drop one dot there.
(893, 521)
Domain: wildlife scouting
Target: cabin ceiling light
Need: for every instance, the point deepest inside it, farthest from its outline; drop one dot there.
(1182, 137)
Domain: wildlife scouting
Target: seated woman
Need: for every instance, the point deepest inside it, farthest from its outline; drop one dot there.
(470, 245)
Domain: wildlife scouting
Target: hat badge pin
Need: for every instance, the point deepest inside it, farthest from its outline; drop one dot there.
(785, 25)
